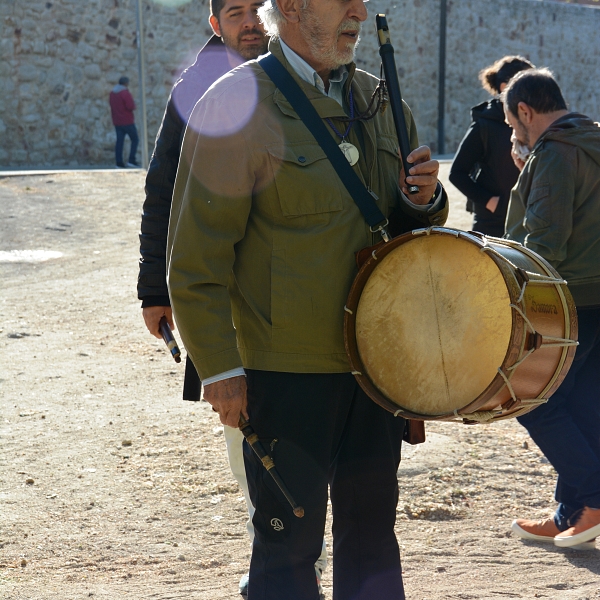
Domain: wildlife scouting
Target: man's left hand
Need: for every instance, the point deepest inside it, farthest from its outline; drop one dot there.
(424, 173)
(229, 398)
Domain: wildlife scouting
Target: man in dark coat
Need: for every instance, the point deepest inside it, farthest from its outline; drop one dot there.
(238, 36)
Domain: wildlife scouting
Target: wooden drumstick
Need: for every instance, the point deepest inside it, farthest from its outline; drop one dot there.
(268, 463)
(169, 338)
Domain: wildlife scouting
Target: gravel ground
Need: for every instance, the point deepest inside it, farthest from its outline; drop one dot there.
(112, 487)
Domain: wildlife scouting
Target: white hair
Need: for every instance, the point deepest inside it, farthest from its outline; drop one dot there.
(271, 17)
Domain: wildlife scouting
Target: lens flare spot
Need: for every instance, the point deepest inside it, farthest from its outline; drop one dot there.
(224, 113)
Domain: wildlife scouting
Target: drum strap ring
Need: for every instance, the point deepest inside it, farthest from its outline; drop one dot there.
(553, 341)
(483, 416)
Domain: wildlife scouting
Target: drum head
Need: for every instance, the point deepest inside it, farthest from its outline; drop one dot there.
(433, 324)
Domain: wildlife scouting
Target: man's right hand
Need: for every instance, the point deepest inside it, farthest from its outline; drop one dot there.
(519, 162)
(152, 316)
(228, 397)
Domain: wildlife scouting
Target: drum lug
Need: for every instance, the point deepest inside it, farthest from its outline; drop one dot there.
(511, 404)
(522, 275)
(481, 236)
(535, 341)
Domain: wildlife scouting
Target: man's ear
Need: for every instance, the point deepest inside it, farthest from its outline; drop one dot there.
(214, 23)
(290, 9)
(524, 113)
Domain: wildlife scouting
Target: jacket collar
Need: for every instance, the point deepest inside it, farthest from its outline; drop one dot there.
(564, 127)
(325, 106)
(337, 78)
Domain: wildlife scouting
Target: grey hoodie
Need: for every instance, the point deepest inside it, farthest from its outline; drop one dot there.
(555, 206)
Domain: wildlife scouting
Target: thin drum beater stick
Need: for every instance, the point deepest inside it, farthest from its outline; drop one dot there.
(268, 463)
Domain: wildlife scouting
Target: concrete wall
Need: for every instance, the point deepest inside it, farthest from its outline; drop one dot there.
(59, 60)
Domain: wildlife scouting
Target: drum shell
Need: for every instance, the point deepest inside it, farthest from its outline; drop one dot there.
(548, 308)
(551, 311)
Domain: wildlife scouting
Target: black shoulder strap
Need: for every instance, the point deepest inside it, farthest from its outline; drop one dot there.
(306, 111)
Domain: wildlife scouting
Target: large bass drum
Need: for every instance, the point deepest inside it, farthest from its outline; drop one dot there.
(441, 324)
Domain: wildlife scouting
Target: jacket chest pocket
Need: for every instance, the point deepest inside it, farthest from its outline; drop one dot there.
(306, 182)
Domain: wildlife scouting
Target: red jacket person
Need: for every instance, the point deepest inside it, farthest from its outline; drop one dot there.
(122, 106)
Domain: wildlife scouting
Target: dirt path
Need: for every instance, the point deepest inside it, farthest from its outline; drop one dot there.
(112, 487)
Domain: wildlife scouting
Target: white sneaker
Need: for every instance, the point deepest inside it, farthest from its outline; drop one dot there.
(585, 526)
(244, 586)
(544, 531)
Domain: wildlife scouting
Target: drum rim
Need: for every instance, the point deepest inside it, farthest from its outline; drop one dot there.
(351, 343)
(518, 337)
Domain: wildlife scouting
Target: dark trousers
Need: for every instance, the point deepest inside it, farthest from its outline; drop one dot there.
(487, 228)
(323, 431)
(122, 131)
(192, 386)
(567, 428)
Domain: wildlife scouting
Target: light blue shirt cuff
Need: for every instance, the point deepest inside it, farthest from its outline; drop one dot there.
(226, 375)
(433, 206)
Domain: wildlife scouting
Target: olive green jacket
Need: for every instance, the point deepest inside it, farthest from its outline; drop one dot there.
(263, 233)
(555, 207)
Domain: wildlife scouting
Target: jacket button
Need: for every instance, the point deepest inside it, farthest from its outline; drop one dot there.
(301, 159)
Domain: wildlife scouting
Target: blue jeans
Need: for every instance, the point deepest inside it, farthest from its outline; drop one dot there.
(122, 131)
(567, 428)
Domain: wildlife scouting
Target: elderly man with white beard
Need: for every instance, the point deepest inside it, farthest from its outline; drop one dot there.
(261, 250)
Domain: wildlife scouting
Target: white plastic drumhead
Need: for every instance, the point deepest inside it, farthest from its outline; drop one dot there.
(434, 324)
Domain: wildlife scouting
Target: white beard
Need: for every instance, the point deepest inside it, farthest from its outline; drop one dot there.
(322, 46)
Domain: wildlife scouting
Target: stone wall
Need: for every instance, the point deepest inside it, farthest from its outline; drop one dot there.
(563, 37)
(59, 60)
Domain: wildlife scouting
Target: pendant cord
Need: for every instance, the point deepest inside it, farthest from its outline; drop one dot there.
(380, 95)
(349, 121)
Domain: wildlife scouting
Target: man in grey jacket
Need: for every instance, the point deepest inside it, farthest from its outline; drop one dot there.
(555, 211)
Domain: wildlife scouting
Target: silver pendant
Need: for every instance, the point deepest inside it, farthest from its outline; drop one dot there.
(350, 152)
